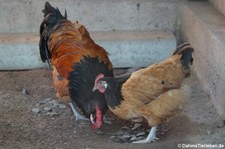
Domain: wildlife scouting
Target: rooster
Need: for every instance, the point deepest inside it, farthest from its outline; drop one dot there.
(76, 61)
(154, 93)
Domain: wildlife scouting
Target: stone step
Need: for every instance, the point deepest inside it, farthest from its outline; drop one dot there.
(204, 27)
(126, 48)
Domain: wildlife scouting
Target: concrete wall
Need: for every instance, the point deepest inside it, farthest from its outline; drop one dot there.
(204, 27)
(96, 15)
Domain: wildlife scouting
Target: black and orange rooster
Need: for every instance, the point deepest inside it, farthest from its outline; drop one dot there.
(76, 61)
(154, 93)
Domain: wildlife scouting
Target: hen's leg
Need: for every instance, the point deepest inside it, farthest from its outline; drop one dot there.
(77, 115)
(151, 136)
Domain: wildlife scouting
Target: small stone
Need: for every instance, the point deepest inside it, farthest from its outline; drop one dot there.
(162, 133)
(108, 122)
(126, 136)
(136, 126)
(25, 92)
(47, 109)
(140, 134)
(119, 133)
(53, 113)
(54, 103)
(35, 110)
(133, 138)
(208, 132)
(125, 128)
(112, 137)
(45, 101)
(99, 132)
(62, 106)
(139, 138)
(220, 124)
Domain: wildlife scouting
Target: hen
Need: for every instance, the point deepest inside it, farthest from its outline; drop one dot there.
(76, 61)
(154, 93)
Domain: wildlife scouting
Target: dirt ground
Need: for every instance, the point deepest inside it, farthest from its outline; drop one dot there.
(22, 128)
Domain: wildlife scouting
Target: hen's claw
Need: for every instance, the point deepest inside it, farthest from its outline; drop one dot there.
(150, 138)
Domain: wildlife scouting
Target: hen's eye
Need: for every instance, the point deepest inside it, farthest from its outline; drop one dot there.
(103, 84)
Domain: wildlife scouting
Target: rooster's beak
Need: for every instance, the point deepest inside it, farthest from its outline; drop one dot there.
(94, 88)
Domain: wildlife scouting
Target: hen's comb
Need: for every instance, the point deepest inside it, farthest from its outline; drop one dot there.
(99, 77)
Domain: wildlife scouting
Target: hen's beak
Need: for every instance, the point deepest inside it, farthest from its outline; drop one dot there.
(92, 119)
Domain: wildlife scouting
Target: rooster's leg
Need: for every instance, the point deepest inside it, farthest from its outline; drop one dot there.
(76, 113)
(151, 136)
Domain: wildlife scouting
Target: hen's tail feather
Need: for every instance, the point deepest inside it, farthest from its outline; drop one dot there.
(181, 47)
(186, 59)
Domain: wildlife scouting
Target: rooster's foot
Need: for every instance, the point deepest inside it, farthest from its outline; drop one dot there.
(77, 115)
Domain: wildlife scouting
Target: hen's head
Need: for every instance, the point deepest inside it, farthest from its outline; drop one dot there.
(100, 85)
(103, 83)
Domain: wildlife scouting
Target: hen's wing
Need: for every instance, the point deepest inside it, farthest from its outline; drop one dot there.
(144, 88)
(148, 83)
